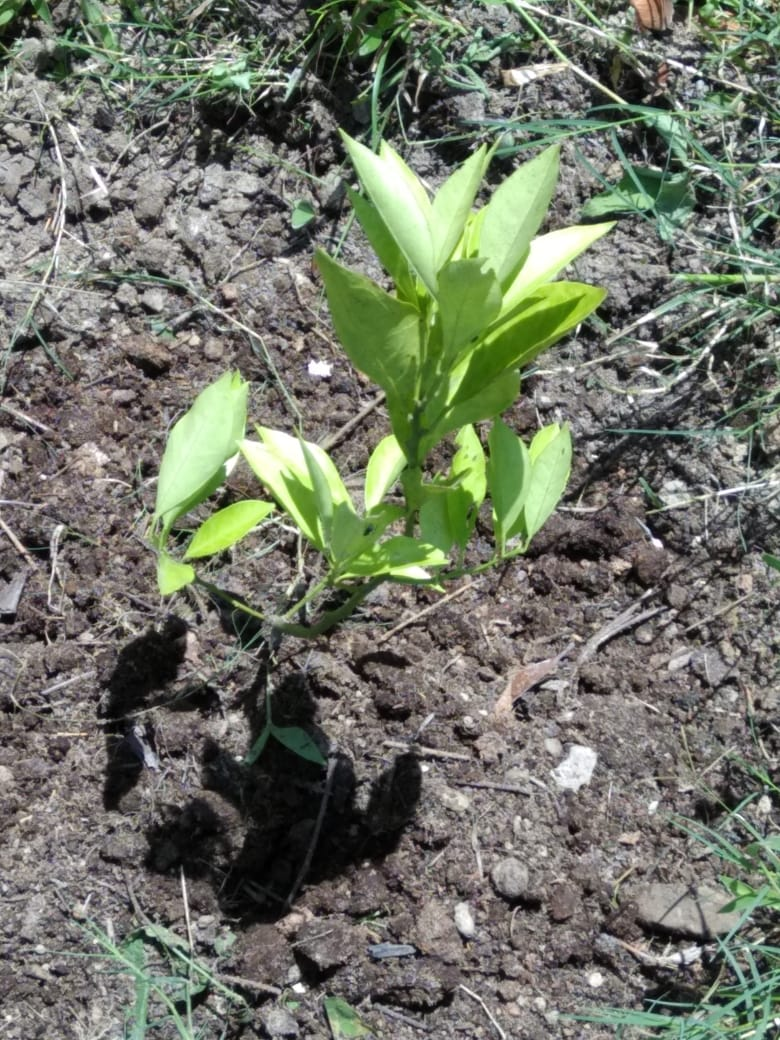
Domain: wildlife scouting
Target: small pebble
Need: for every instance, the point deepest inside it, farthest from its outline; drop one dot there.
(464, 921)
(510, 878)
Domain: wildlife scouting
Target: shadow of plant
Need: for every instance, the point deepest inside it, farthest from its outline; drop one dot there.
(298, 823)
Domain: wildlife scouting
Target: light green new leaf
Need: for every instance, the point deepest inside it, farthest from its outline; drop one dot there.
(343, 1020)
(383, 469)
(508, 477)
(294, 452)
(198, 447)
(448, 514)
(485, 402)
(323, 497)
(400, 557)
(290, 489)
(384, 245)
(171, 575)
(350, 535)
(469, 301)
(540, 320)
(299, 742)
(453, 201)
(548, 255)
(282, 462)
(226, 527)
(515, 212)
(379, 333)
(550, 455)
(402, 203)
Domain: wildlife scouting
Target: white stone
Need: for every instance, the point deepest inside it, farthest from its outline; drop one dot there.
(576, 769)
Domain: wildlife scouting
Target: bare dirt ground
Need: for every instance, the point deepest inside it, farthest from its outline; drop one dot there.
(143, 253)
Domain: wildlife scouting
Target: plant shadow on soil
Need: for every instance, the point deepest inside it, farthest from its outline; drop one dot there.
(300, 822)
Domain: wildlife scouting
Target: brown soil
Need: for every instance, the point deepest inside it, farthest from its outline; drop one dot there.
(176, 260)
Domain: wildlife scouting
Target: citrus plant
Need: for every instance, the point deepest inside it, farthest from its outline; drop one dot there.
(474, 301)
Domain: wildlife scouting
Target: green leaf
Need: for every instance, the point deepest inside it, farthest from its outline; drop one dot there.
(515, 212)
(258, 747)
(448, 514)
(351, 535)
(280, 462)
(226, 527)
(771, 561)
(641, 189)
(469, 301)
(199, 446)
(547, 256)
(550, 454)
(468, 464)
(452, 204)
(540, 320)
(383, 469)
(508, 478)
(302, 214)
(484, 403)
(400, 557)
(384, 245)
(402, 203)
(299, 742)
(134, 950)
(323, 498)
(171, 575)
(343, 1020)
(379, 333)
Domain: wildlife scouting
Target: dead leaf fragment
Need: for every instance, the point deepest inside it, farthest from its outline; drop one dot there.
(522, 679)
(530, 73)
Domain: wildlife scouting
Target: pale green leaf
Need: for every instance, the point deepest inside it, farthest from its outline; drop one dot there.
(171, 575)
(198, 448)
(469, 301)
(515, 212)
(226, 527)
(402, 203)
(453, 201)
(508, 478)
(323, 498)
(343, 1020)
(290, 490)
(548, 256)
(384, 468)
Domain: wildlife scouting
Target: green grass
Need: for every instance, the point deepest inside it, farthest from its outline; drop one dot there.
(171, 988)
(739, 993)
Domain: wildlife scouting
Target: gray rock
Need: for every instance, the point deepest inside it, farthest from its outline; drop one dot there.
(452, 799)
(510, 878)
(436, 932)
(328, 942)
(277, 1021)
(685, 910)
(152, 192)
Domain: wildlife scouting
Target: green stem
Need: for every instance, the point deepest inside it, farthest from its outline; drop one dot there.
(291, 628)
(330, 618)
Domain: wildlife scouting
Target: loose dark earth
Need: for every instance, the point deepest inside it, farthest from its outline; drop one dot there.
(144, 252)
